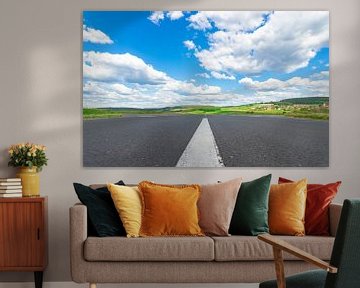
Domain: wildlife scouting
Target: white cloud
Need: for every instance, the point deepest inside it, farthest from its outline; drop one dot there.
(320, 75)
(222, 76)
(174, 93)
(189, 44)
(204, 75)
(174, 15)
(120, 68)
(156, 17)
(199, 21)
(315, 85)
(268, 85)
(285, 43)
(188, 88)
(95, 36)
(125, 80)
(122, 89)
(107, 89)
(228, 20)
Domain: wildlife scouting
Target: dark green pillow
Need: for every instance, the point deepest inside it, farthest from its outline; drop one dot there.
(250, 216)
(103, 218)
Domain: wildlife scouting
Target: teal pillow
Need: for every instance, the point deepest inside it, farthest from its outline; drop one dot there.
(250, 216)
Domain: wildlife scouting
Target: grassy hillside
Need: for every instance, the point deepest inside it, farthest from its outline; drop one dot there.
(307, 100)
(95, 113)
(310, 108)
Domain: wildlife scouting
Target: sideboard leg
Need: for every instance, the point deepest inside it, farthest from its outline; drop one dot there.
(92, 285)
(38, 279)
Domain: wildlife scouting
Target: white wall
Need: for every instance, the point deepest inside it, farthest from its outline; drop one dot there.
(40, 90)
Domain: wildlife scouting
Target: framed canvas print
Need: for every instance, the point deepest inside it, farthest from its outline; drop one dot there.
(205, 88)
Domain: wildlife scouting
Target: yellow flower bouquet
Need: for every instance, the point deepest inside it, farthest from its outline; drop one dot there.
(27, 155)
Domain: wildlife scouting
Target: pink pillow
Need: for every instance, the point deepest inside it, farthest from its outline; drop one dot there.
(216, 206)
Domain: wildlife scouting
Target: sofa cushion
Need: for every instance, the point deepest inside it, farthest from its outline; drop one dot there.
(216, 206)
(102, 216)
(318, 200)
(244, 248)
(287, 204)
(169, 210)
(149, 249)
(127, 201)
(250, 216)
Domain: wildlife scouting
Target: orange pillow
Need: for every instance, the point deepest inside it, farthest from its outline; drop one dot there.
(287, 204)
(169, 210)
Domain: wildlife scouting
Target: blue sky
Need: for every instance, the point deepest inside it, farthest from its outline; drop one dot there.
(148, 59)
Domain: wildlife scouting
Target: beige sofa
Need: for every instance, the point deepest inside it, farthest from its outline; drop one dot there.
(234, 259)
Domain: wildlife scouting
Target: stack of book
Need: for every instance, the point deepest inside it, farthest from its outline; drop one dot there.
(10, 187)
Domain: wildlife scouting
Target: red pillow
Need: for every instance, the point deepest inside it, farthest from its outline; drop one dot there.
(319, 197)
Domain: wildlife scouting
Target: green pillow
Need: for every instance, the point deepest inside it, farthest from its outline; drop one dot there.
(250, 216)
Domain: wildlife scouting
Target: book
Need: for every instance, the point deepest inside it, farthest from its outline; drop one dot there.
(10, 183)
(10, 187)
(10, 180)
(10, 191)
(10, 195)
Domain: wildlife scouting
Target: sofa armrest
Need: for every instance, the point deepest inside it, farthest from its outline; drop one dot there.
(284, 246)
(334, 216)
(279, 246)
(78, 235)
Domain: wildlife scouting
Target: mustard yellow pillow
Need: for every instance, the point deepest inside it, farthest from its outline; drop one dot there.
(127, 201)
(169, 210)
(287, 204)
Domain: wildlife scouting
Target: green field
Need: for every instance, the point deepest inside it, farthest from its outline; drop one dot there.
(96, 113)
(309, 108)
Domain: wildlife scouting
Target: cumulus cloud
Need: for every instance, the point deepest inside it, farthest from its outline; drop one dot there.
(188, 88)
(174, 93)
(120, 67)
(107, 90)
(283, 41)
(320, 75)
(204, 75)
(125, 80)
(228, 20)
(199, 21)
(174, 15)
(270, 84)
(156, 17)
(276, 89)
(122, 89)
(189, 44)
(222, 76)
(95, 36)
(275, 84)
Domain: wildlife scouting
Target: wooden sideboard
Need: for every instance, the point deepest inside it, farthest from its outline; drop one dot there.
(23, 235)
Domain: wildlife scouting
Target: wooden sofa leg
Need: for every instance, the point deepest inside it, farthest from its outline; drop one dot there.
(279, 267)
(92, 285)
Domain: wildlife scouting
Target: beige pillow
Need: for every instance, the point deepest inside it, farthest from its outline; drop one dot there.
(216, 206)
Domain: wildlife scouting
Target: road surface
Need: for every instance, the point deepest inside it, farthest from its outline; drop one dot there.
(211, 141)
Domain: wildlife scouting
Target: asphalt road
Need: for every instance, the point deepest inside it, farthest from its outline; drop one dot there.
(263, 141)
(242, 141)
(137, 141)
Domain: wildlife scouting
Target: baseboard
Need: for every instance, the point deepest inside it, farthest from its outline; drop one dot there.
(74, 285)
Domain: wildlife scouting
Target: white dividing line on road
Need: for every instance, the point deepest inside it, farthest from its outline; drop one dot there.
(201, 150)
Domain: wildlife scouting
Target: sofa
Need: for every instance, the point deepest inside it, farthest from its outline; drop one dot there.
(233, 259)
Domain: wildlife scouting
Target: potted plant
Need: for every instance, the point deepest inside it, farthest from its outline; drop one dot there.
(30, 158)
